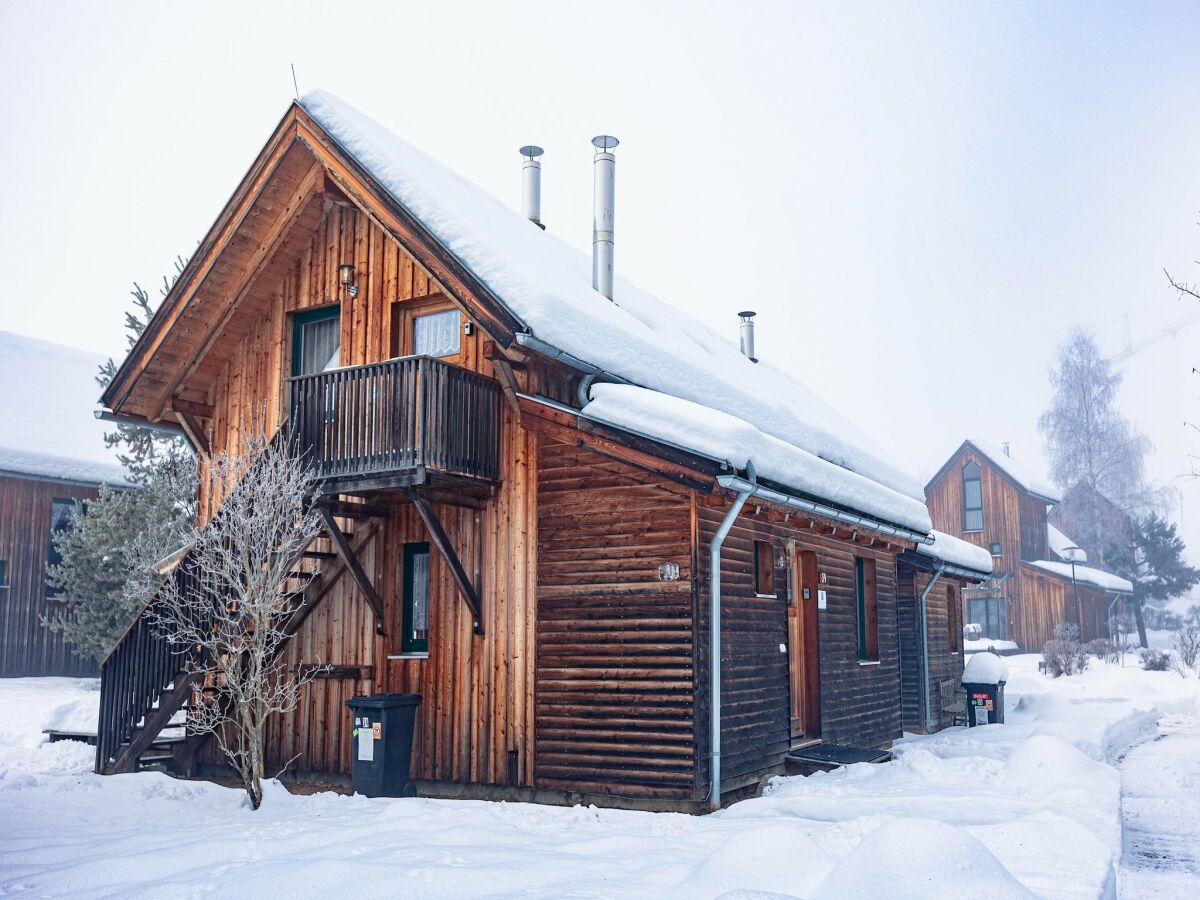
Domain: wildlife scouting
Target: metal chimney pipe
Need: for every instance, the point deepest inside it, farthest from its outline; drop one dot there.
(746, 333)
(531, 184)
(604, 167)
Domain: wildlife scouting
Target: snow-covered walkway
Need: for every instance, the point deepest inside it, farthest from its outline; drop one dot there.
(1160, 812)
(1030, 808)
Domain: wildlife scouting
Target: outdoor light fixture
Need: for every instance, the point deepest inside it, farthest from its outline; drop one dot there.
(346, 277)
(668, 571)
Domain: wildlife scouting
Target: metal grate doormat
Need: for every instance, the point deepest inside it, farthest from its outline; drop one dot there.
(838, 755)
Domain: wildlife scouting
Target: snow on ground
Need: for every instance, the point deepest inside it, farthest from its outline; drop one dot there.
(981, 644)
(1027, 808)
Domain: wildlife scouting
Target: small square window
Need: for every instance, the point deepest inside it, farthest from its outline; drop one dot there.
(764, 569)
(996, 549)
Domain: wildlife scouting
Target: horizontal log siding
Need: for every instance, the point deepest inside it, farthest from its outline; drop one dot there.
(615, 672)
(860, 704)
(943, 664)
(26, 648)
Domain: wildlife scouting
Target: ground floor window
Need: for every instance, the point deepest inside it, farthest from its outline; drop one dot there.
(414, 635)
(868, 617)
(63, 513)
(988, 614)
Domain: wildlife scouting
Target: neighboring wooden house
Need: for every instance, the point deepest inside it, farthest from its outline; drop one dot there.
(52, 457)
(986, 497)
(931, 580)
(529, 481)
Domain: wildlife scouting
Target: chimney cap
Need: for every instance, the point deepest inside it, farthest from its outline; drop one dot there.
(747, 314)
(604, 142)
(532, 151)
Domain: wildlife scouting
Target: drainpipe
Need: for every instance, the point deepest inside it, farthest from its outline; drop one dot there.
(937, 573)
(714, 639)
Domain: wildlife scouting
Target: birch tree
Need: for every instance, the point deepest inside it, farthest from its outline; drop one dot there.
(229, 608)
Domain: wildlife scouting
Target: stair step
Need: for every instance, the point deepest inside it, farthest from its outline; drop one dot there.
(319, 554)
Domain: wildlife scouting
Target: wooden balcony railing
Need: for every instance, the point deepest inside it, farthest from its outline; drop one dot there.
(397, 417)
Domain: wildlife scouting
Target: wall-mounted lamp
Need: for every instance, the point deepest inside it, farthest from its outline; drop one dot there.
(346, 278)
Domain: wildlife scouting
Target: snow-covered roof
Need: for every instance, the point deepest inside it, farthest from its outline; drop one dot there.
(546, 284)
(1024, 472)
(47, 426)
(1059, 544)
(1106, 581)
(948, 549)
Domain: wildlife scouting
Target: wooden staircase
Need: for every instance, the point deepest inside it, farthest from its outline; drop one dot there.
(145, 683)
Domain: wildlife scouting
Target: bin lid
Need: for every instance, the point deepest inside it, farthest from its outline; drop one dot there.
(380, 701)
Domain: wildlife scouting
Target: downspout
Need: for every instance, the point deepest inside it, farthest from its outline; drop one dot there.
(714, 638)
(937, 573)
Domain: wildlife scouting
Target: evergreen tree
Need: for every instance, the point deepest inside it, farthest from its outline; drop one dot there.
(1161, 572)
(106, 571)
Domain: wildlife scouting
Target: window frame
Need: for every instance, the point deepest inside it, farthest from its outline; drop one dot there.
(954, 618)
(425, 314)
(75, 505)
(764, 569)
(969, 476)
(866, 609)
(408, 643)
(303, 317)
(405, 312)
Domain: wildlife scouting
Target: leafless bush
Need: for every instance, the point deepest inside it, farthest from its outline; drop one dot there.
(230, 616)
(1103, 649)
(1064, 653)
(1156, 660)
(1186, 641)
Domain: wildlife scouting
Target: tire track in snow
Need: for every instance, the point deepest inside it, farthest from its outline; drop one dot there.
(1160, 813)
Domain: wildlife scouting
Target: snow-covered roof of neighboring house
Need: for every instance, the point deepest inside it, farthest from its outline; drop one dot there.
(948, 549)
(1059, 544)
(1106, 581)
(755, 410)
(47, 426)
(1024, 472)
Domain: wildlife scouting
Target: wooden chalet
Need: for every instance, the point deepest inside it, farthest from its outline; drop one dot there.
(985, 496)
(52, 458)
(528, 487)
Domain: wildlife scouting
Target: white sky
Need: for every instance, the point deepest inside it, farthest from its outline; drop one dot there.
(919, 200)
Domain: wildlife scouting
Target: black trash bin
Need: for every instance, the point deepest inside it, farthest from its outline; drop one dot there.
(381, 744)
(985, 703)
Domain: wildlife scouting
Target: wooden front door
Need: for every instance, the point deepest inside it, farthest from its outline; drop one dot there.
(804, 654)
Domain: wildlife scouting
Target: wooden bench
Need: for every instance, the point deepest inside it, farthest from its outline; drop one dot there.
(954, 700)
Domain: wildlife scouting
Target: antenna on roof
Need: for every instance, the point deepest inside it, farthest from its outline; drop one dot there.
(295, 84)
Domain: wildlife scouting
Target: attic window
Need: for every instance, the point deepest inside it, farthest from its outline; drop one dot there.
(436, 334)
(972, 497)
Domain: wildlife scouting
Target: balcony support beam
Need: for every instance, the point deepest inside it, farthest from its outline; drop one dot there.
(437, 534)
(350, 559)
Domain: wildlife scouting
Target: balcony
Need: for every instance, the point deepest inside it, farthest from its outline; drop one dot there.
(397, 424)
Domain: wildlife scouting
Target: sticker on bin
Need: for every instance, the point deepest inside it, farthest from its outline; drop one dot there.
(366, 746)
(377, 728)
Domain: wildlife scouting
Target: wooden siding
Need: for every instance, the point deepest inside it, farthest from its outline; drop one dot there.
(944, 663)
(475, 721)
(26, 648)
(1034, 539)
(615, 670)
(860, 702)
(1047, 601)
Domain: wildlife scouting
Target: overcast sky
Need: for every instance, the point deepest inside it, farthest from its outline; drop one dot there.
(919, 200)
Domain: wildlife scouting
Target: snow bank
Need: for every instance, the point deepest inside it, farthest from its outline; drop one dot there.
(985, 668)
(546, 283)
(734, 440)
(1032, 804)
(1084, 575)
(956, 552)
(47, 426)
(920, 859)
(1023, 471)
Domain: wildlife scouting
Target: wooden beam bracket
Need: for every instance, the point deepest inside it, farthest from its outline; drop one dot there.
(350, 559)
(442, 541)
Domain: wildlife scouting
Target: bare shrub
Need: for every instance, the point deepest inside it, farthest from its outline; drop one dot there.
(1065, 654)
(1156, 660)
(1186, 641)
(230, 617)
(1103, 649)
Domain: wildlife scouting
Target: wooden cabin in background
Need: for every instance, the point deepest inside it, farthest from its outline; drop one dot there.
(52, 458)
(986, 497)
(530, 476)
